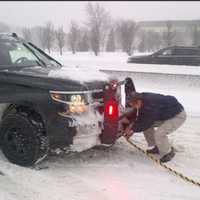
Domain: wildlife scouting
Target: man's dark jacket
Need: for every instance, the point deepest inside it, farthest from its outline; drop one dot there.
(156, 107)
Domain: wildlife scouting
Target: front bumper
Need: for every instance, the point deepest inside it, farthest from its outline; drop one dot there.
(74, 134)
(88, 128)
(92, 128)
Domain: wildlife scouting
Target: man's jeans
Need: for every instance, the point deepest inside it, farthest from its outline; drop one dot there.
(157, 133)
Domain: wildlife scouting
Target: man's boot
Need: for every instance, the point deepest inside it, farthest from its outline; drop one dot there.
(167, 157)
(153, 150)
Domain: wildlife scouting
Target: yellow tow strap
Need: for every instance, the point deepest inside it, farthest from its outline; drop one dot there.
(185, 178)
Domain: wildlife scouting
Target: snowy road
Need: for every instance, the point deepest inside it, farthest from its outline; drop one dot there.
(120, 172)
(108, 174)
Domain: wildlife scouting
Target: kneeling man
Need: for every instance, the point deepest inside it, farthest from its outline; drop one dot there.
(155, 115)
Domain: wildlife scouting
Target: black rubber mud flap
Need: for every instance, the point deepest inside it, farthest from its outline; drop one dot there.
(129, 87)
(110, 131)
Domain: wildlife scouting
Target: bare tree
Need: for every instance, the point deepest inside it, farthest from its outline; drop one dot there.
(126, 32)
(97, 23)
(49, 35)
(73, 36)
(154, 40)
(195, 35)
(60, 38)
(181, 38)
(169, 34)
(4, 27)
(84, 43)
(110, 47)
(26, 32)
(41, 35)
(111, 42)
(142, 47)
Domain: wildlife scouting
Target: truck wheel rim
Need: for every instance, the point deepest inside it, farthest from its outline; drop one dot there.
(17, 142)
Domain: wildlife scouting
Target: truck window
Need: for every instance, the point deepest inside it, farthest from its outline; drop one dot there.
(4, 56)
(167, 52)
(16, 54)
(21, 52)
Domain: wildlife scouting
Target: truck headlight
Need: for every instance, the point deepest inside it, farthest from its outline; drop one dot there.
(75, 103)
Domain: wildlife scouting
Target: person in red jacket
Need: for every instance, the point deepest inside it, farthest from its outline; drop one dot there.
(155, 115)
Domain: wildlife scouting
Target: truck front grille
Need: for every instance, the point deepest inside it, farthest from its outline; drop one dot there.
(97, 97)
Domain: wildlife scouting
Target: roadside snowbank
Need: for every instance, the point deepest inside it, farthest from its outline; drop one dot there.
(117, 61)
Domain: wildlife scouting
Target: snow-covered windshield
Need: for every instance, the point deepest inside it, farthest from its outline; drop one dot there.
(44, 58)
(18, 54)
(14, 53)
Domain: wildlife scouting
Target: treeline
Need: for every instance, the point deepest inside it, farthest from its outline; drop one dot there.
(100, 32)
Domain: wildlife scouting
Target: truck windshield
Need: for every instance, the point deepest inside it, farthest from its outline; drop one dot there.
(19, 54)
(13, 53)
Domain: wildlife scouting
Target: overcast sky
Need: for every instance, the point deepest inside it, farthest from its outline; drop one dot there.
(60, 13)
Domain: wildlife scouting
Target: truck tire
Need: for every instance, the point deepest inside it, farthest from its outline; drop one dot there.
(23, 140)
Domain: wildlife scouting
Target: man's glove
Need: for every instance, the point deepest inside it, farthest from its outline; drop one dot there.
(128, 132)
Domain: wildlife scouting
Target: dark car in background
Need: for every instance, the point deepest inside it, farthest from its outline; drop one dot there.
(174, 55)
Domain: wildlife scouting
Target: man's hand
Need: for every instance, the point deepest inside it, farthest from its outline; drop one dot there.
(128, 132)
(124, 120)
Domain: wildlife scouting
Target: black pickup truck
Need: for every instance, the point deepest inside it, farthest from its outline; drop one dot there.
(45, 106)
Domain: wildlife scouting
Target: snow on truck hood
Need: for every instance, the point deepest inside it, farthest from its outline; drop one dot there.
(80, 75)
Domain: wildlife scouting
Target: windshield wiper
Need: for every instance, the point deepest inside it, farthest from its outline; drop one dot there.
(41, 61)
(44, 54)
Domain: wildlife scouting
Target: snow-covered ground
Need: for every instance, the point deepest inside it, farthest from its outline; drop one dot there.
(120, 172)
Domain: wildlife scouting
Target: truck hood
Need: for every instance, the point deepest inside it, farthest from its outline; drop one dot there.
(63, 79)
